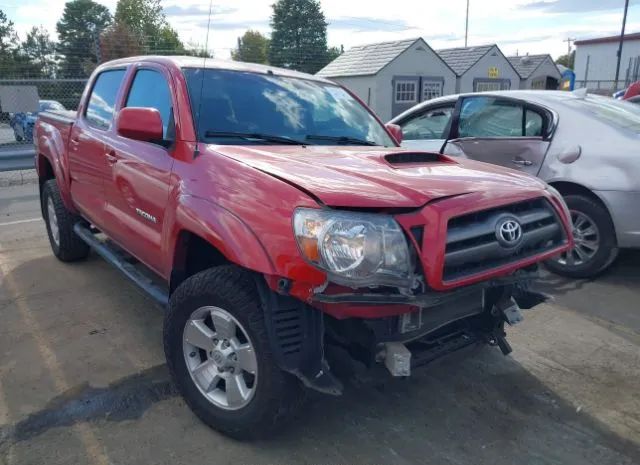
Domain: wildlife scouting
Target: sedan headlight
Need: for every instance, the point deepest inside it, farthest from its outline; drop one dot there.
(356, 249)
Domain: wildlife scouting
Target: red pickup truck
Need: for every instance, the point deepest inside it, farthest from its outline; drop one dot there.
(285, 231)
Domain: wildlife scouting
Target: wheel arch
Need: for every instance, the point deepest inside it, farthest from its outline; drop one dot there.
(206, 235)
(571, 188)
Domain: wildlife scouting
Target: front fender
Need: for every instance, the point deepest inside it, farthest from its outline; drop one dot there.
(222, 229)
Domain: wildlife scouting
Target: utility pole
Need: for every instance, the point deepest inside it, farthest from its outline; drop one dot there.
(624, 25)
(466, 26)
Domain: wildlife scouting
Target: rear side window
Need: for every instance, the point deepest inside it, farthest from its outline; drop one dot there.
(492, 117)
(103, 98)
(150, 90)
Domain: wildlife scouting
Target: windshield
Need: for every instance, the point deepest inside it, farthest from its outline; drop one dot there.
(250, 108)
(618, 113)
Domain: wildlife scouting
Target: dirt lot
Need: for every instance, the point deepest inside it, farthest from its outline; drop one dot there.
(82, 379)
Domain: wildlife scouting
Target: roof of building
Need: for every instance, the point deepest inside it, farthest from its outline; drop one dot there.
(604, 40)
(461, 59)
(526, 65)
(364, 60)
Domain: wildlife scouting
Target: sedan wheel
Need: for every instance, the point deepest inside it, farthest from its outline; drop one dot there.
(586, 237)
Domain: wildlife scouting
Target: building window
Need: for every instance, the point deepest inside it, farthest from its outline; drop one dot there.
(406, 91)
(431, 89)
(491, 85)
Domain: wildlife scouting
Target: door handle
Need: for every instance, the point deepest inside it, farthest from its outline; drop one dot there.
(522, 162)
(111, 157)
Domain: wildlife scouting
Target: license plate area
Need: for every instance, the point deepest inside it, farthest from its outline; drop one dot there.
(430, 319)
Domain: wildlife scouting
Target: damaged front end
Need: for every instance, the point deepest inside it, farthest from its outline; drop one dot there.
(404, 289)
(422, 327)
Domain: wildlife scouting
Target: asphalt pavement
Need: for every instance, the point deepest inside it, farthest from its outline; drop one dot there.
(83, 379)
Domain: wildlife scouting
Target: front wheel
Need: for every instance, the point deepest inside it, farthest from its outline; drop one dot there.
(219, 357)
(595, 240)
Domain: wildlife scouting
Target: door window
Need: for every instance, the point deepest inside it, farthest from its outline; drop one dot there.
(406, 91)
(150, 90)
(431, 89)
(102, 101)
(492, 117)
(428, 125)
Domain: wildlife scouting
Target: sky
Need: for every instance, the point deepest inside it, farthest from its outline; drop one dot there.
(517, 26)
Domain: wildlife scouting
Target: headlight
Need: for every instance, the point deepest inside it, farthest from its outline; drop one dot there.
(356, 249)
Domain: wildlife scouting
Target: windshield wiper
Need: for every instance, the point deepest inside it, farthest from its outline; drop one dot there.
(255, 135)
(343, 139)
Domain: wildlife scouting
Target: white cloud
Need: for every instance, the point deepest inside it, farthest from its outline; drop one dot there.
(515, 25)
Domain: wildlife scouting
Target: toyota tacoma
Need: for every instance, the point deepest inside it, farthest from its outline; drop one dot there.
(284, 230)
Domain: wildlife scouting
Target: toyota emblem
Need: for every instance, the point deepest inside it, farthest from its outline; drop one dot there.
(509, 232)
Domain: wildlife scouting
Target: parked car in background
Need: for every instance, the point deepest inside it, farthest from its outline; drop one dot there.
(632, 93)
(22, 123)
(584, 145)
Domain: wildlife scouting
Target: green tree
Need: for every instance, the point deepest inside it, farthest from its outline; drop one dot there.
(567, 60)
(299, 37)
(78, 31)
(334, 52)
(253, 47)
(146, 19)
(8, 45)
(40, 52)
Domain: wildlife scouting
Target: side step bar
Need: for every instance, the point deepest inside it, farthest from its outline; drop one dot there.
(112, 255)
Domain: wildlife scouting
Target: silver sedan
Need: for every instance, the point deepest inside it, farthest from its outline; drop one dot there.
(586, 146)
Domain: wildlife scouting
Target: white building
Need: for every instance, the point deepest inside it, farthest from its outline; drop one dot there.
(596, 59)
(391, 77)
(537, 72)
(480, 68)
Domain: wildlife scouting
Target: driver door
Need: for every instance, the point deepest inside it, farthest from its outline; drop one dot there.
(501, 131)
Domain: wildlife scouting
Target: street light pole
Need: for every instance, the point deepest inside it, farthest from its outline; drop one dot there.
(466, 26)
(624, 25)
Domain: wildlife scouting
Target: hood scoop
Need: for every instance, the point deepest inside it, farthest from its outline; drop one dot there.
(407, 158)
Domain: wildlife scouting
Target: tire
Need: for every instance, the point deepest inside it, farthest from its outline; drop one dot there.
(67, 247)
(607, 250)
(17, 137)
(276, 394)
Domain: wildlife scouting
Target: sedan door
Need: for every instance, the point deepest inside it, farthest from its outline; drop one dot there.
(427, 128)
(502, 131)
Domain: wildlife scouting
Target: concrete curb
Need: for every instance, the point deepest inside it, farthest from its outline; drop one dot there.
(18, 178)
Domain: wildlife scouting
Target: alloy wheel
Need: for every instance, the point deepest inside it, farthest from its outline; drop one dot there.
(220, 358)
(52, 218)
(586, 237)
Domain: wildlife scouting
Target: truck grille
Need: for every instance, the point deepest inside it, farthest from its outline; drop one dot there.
(488, 239)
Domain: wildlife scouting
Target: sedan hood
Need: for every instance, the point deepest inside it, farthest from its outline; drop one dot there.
(378, 177)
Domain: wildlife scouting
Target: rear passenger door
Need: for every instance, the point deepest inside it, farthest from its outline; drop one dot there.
(502, 131)
(88, 164)
(137, 190)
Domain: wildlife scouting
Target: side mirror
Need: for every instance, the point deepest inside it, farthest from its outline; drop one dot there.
(396, 131)
(144, 124)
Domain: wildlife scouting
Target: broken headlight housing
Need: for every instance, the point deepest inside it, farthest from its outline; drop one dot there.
(355, 249)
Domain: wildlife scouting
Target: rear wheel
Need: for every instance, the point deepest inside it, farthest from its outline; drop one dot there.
(595, 240)
(66, 245)
(218, 354)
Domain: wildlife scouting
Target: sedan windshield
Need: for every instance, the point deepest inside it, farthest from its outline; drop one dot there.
(234, 107)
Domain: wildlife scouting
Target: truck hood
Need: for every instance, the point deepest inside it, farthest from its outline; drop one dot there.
(340, 176)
